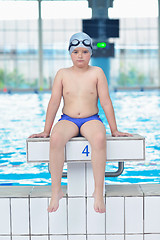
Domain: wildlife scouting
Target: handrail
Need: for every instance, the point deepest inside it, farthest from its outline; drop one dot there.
(108, 174)
(118, 172)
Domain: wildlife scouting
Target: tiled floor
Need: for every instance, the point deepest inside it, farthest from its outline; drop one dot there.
(132, 213)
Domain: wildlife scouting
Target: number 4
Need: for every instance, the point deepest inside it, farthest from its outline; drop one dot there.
(85, 151)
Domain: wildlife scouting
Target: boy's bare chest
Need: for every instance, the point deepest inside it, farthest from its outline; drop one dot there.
(79, 85)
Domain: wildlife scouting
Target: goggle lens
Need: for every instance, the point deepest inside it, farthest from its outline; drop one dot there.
(86, 42)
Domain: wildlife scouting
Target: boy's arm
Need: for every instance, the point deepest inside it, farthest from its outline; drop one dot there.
(106, 103)
(54, 102)
(53, 105)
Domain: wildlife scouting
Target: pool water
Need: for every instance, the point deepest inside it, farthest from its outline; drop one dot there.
(24, 114)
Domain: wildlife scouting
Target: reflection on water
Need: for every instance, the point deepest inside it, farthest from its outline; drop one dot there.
(24, 114)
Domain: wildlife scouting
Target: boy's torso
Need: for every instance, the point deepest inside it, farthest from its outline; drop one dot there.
(80, 92)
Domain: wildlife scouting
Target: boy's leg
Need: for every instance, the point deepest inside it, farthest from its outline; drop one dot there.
(62, 132)
(95, 132)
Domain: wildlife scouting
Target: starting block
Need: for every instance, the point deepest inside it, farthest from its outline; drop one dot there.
(78, 149)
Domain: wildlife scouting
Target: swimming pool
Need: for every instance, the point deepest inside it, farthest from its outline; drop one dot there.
(24, 114)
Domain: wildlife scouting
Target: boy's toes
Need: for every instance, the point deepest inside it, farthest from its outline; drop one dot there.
(53, 209)
(96, 209)
(50, 209)
(100, 208)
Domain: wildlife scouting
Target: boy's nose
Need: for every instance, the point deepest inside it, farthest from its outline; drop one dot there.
(80, 54)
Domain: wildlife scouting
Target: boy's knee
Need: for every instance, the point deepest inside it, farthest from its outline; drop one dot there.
(99, 141)
(56, 140)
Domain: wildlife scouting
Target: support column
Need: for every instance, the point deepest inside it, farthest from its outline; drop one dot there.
(100, 11)
(40, 47)
(159, 43)
(103, 63)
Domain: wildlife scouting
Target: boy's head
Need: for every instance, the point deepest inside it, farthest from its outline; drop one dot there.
(80, 39)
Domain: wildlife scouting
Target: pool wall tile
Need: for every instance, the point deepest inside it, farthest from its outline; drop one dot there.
(152, 237)
(20, 215)
(96, 237)
(76, 177)
(5, 216)
(90, 179)
(77, 237)
(94, 219)
(5, 238)
(76, 216)
(61, 237)
(115, 237)
(134, 237)
(152, 214)
(127, 217)
(58, 219)
(39, 215)
(114, 215)
(39, 237)
(133, 215)
(20, 238)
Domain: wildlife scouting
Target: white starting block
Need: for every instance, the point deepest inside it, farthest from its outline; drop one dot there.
(78, 151)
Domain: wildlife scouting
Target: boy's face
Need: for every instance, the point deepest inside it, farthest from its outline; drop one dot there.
(80, 57)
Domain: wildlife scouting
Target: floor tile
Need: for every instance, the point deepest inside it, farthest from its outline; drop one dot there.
(39, 215)
(77, 216)
(134, 237)
(96, 237)
(61, 237)
(152, 214)
(77, 237)
(95, 221)
(4, 216)
(58, 219)
(114, 237)
(114, 215)
(134, 215)
(20, 215)
(152, 237)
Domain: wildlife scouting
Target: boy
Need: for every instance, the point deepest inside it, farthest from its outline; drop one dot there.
(80, 86)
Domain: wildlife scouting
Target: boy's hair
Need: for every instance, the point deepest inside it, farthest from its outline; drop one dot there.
(80, 39)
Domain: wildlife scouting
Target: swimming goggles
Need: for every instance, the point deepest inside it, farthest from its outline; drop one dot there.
(76, 42)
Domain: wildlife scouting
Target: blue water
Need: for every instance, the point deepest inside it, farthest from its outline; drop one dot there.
(24, 114)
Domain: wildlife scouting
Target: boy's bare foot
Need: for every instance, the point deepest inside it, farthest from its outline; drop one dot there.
(99, 205)
(54, 202)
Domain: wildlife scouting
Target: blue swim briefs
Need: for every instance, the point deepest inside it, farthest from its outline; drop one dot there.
(80, 121)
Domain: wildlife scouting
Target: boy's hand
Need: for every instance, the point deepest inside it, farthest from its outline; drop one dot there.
(121, 134)
(39, 135)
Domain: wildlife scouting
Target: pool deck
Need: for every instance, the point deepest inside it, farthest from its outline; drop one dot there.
(132, 213)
